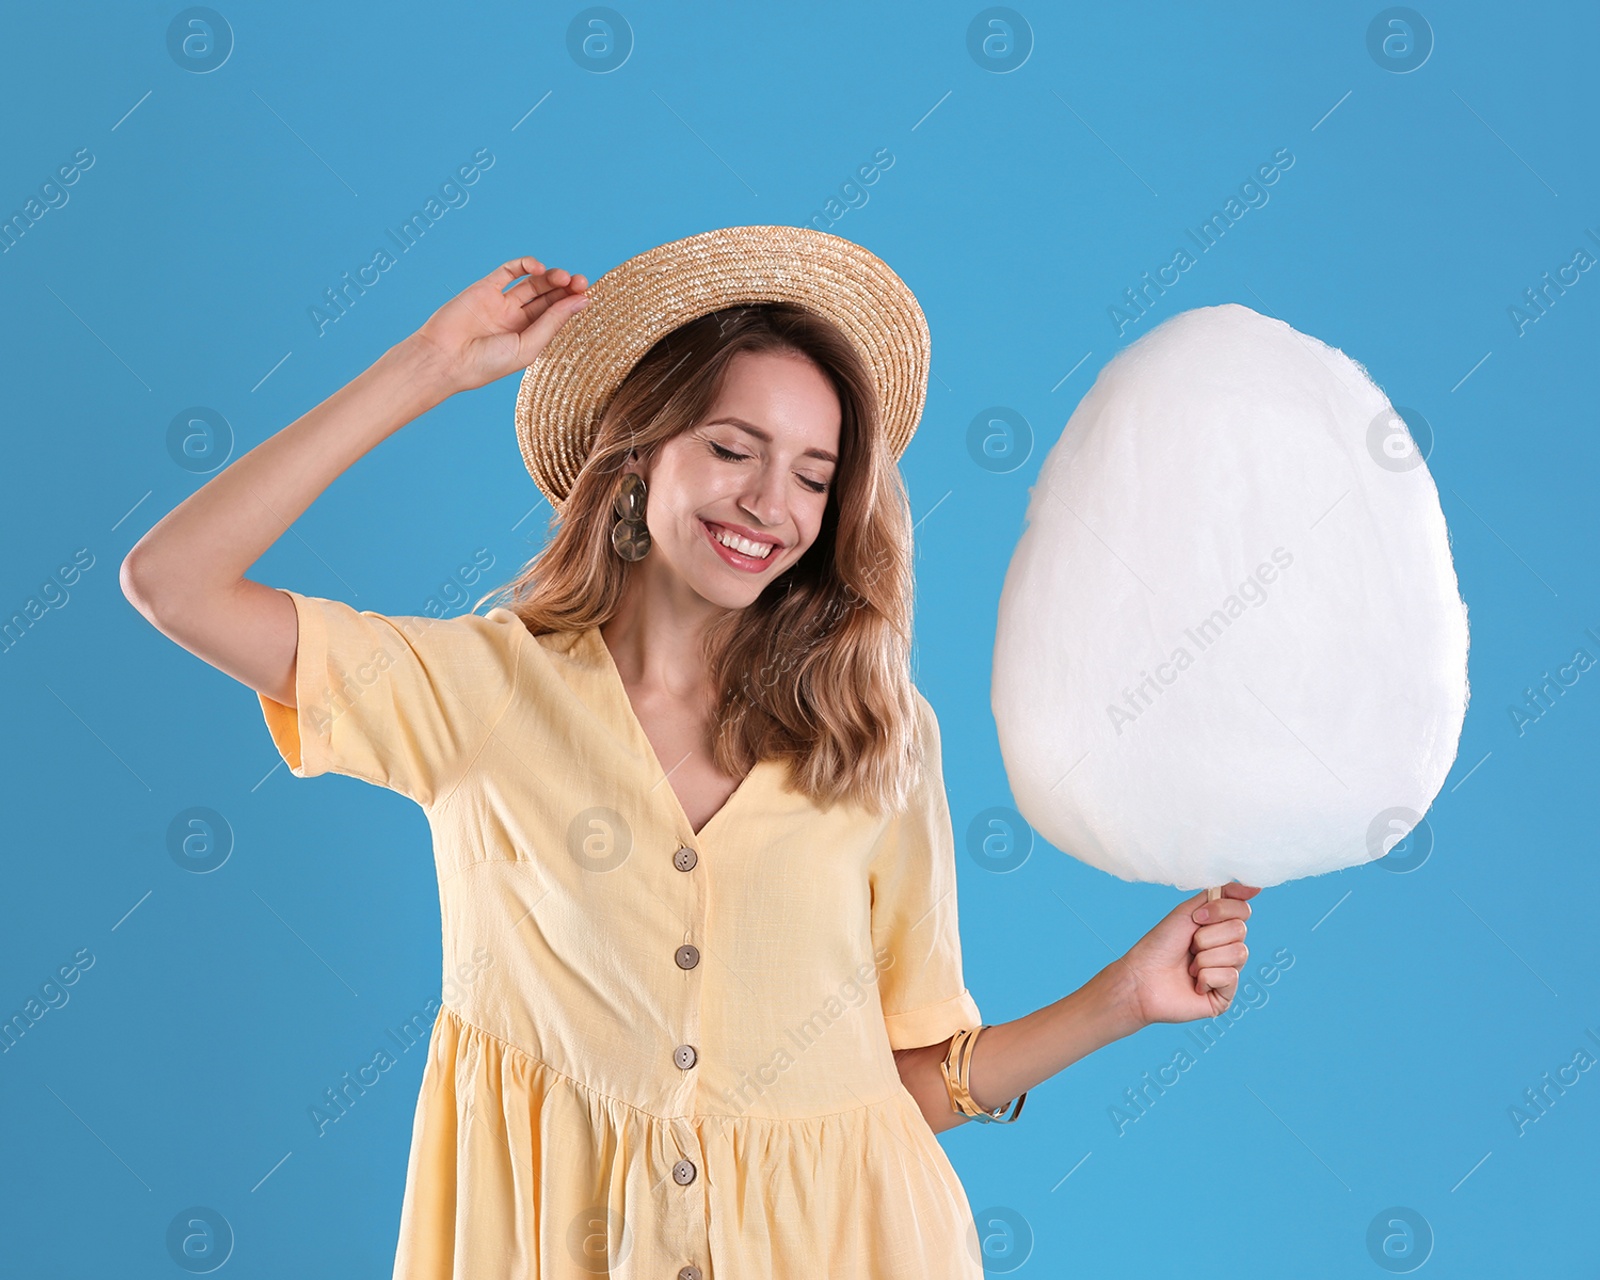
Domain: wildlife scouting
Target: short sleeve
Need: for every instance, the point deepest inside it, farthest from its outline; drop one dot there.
(400, 702)
(914, 917)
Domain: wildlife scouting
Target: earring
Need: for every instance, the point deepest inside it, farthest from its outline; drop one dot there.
(630, 538)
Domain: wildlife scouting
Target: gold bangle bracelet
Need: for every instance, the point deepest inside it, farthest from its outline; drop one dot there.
(957, 1062)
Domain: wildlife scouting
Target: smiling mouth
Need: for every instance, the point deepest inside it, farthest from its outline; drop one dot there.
(741, 552)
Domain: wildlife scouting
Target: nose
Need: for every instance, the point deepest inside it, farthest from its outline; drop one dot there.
(763, 499)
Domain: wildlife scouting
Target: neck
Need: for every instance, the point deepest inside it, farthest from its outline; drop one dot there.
(657, 636)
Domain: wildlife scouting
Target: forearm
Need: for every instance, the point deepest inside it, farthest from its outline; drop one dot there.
(1012, 1057)
(202, 548)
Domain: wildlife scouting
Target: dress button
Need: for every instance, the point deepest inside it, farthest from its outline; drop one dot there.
(683, 1173)
(685, 859)
(687, 956)
(684, 1056)
(691, 1272)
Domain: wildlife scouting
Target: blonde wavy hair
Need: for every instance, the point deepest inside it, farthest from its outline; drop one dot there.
(817, 669)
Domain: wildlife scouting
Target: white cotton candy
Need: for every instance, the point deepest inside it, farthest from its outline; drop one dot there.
(1230, 643)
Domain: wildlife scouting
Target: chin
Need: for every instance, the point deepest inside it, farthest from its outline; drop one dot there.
(728, 596)
(724, 587)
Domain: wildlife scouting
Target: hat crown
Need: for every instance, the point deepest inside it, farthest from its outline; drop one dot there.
(566, 389)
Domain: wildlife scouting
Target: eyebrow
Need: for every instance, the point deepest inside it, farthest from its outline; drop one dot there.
(762, 434)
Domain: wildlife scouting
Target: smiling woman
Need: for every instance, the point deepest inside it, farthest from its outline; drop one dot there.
(755, 426)
(683, 792)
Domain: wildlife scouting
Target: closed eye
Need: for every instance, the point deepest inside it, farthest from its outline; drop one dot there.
(728, 455)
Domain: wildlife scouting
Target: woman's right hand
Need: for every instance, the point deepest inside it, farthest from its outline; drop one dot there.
(483, 334)
(186, 575)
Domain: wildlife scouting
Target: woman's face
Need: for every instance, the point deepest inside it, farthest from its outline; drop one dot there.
(759, 466)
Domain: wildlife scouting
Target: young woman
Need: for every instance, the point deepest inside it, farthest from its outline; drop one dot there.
(688, 808)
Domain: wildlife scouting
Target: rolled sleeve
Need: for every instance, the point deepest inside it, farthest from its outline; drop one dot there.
(401, 702)
(915, 924)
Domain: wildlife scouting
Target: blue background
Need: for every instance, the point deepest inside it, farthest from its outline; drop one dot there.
(1376, 1073)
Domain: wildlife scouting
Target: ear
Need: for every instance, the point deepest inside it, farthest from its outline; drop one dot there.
(636, 465)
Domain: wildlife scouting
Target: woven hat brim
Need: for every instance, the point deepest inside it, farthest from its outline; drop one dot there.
(566, 389)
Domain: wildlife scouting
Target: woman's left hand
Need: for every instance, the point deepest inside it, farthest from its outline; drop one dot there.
(1188, 966)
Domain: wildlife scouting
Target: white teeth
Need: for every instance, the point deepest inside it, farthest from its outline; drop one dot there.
(759, 550)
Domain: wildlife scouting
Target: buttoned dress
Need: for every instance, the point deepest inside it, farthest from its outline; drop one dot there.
(662, 1054)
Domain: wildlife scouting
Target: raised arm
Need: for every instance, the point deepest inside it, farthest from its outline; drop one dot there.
(186, 575)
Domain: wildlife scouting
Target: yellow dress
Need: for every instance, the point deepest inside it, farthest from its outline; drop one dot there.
(662, 1053)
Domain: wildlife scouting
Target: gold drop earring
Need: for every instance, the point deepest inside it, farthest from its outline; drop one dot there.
(630, 537)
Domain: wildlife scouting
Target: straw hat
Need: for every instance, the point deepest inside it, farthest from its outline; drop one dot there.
(565, 390)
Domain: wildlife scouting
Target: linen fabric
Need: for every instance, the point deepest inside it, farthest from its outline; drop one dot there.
(678, 1051)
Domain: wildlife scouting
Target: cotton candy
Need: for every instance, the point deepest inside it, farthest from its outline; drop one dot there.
(1230, 643)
